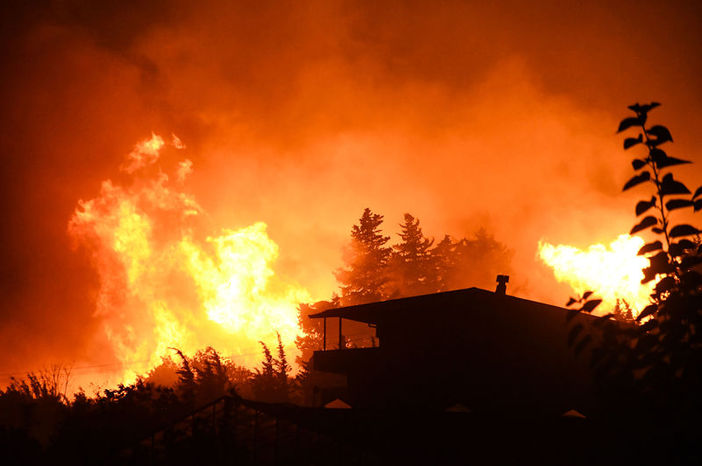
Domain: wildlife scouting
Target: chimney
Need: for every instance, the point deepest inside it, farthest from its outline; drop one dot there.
(502, 281)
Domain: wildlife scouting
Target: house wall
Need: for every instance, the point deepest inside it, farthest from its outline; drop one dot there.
(482, 353)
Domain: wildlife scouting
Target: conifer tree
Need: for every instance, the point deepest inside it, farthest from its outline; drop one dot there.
(443, 263)
(270, 383)
(363, 278)
(283, 368)
(411, 260)
(469, 261)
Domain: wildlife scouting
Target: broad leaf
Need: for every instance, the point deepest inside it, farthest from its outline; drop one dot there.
(570, 302)
(591, 305)
(647, 311)
(686, 244)
(658, 155)
(683, 230)
(661, 133)
(678, 204)
(637, 179)
(670, 186)
(666, 284)
(649, 325)
(631, 142)
(628, 123)
(657, 230)
(648, 107)
(650, 247)
(643, 206)
(698, 191)
(670, 161)
(678, 249)
(638, 164)
(645, 223)
(698, 205)
(645, 108)
(649, 274)
(586, 295)
(660, 264)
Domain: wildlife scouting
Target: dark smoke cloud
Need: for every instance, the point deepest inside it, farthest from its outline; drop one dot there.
(464, 114)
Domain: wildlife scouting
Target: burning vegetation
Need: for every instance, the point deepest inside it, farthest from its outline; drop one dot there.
(162, 286)
(614, 270)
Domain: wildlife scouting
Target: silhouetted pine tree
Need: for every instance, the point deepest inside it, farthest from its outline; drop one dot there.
(211, 375)
(469, 262)
(411, 268)
(478, 260)
(271, 382)
(443, 263)
(365, 274)
(186, 379)
(283, 370)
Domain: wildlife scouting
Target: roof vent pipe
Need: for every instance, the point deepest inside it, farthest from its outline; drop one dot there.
(502, 281)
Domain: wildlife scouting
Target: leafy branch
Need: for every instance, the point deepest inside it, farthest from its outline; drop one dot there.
(669, 258)
(654, 364)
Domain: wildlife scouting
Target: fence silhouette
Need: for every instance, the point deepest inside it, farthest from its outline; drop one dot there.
(234, 431)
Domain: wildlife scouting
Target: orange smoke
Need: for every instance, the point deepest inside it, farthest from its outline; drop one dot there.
(612, 271)
(162, 287)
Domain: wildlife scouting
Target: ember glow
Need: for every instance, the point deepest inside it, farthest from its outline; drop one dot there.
(161, 287)
(612, 271)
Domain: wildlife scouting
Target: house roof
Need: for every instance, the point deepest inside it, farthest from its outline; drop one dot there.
(371, 312)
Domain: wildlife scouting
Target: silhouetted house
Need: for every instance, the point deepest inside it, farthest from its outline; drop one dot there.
(473, 348)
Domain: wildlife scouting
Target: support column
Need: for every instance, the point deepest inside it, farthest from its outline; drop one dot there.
(341, 337)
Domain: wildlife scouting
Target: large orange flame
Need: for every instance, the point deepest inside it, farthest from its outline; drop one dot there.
(612, 271)
(161, 287)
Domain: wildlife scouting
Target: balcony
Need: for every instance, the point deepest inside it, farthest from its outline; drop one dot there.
(343, 361)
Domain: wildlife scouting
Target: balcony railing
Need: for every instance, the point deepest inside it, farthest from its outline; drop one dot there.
(342, 360)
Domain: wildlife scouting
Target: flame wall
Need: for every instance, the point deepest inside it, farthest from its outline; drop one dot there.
(162, 287)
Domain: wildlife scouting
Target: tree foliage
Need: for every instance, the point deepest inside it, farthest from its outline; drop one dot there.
(366, 272)
(470, 261)
(415, 264)
(655, 367)
(271, 383)
(36, 414)
(411, 262)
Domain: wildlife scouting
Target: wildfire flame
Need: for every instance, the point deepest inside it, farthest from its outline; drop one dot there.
(612, 271)
(161, 287)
